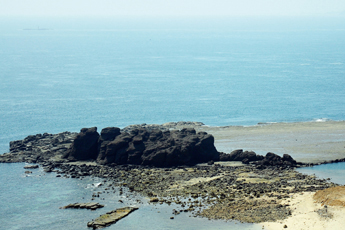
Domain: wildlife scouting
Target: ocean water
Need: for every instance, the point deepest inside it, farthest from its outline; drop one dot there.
(116, 72)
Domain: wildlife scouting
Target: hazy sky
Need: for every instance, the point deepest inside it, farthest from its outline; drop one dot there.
(171, 7)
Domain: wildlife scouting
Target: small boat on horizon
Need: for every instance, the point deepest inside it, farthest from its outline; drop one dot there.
(38, 28)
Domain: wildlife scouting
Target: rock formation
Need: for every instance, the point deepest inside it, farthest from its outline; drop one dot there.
(84, 146)
(163, 145)
(271, 159)
(144, 147)
(240, 155)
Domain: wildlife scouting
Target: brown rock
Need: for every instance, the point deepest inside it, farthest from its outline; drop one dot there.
(110, 217)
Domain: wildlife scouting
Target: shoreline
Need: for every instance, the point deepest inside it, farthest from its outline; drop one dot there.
(309, 214)
(210, 189)
(307, 142)
(310, 142)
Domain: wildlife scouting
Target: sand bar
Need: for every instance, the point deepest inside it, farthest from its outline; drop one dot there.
(309, 142)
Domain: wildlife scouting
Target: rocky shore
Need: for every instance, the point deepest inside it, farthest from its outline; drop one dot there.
(162, 163)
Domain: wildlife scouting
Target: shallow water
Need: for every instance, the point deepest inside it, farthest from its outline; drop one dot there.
(334, 171)
(32, 201)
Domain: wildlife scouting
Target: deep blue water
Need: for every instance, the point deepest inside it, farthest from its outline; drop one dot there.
(88, 72)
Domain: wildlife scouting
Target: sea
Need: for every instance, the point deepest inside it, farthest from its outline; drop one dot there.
(63, 74)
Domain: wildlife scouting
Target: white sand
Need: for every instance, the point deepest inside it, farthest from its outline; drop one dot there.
(304, 141)
(304, 215)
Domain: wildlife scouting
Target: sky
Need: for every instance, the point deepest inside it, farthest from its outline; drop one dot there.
(172, 8)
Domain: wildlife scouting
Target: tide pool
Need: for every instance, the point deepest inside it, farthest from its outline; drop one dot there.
(334, 171)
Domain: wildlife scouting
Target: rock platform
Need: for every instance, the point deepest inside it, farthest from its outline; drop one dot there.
(110, 217)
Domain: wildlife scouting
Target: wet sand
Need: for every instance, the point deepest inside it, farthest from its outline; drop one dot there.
(308, 142)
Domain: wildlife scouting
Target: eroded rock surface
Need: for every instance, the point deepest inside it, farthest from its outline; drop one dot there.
(39, 148)
(85, 145)
(144, 147)
(110, 217)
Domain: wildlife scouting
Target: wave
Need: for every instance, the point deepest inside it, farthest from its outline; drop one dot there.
(321, 120)
(287, 122)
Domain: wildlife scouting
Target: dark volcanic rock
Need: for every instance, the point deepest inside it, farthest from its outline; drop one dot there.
(247, 157)
(107, 135)
(272, 159)
(39, 148)
(240, 155)
(144, 147)
(159, 148)
(85, 145)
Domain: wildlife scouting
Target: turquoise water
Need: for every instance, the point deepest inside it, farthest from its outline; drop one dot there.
(335, 172)
(93, 72)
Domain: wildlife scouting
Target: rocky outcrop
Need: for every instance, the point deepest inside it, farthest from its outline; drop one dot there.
(163, 145)
(164, 127)
(110, 217)
(85, 145)
(107, 135)
(272, 159)
(39, 148)
(240, 155)
(144, 147)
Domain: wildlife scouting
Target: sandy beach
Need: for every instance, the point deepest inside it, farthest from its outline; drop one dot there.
(310, 214)
(308, 142)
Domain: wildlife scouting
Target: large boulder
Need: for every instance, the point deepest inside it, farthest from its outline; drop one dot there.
(84, 146)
